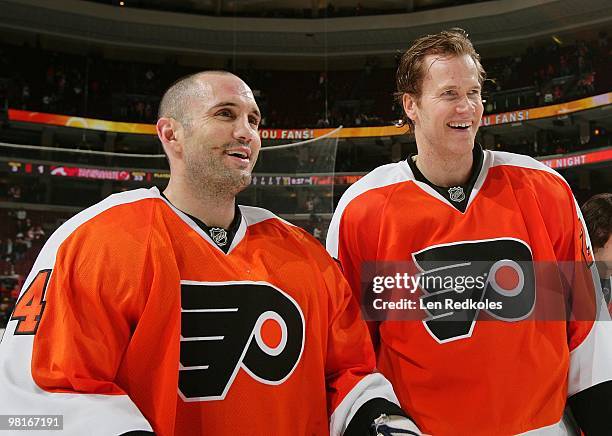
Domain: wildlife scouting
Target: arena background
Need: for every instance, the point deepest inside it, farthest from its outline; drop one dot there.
(80, 82)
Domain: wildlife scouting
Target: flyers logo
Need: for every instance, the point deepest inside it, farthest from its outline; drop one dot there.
(228, 326)
(462, 278)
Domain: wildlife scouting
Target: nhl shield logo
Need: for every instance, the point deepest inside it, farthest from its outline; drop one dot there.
(218, 235)
(456, 194)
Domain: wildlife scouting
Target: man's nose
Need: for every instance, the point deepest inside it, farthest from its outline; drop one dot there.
(244, 131)
(464, 104)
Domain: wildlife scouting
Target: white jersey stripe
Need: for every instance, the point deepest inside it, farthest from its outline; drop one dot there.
(370, 387)
(382, 176)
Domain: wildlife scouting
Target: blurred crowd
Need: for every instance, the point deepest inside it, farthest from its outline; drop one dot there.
(9, 291)
(21, 239)
(554, 143)
(32, 192)
(40, 80)
(549, 74)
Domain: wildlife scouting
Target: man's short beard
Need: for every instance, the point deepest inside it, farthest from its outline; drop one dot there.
(243, 182)
(211, 179)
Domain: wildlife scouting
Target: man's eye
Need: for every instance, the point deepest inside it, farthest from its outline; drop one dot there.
(449, 93)
(254, 121)
(225, 113)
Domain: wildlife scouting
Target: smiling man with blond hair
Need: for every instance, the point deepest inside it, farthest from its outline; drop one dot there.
(479, 360)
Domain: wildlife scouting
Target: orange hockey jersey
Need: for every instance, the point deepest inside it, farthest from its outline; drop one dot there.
(453, 373)
(133, 319)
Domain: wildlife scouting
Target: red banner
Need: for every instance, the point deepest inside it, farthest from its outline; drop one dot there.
(579, 159)
(39, 169)
(90, 173)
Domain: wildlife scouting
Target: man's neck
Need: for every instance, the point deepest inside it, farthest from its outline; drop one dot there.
(444, 170)
(212, 209)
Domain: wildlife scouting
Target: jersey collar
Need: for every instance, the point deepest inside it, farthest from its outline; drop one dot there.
(459, 196)
(222, 238)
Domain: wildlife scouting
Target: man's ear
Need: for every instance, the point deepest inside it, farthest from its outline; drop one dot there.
(410, 106)
(170, 132)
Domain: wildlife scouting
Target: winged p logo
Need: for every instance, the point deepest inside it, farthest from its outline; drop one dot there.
(495, 259)
(228, 326)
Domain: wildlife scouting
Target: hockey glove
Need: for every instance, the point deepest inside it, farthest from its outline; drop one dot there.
(394, 426)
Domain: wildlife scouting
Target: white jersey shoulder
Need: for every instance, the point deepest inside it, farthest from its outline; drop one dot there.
(46, 258)
(500, 158)
(254, 215)
(382, 176)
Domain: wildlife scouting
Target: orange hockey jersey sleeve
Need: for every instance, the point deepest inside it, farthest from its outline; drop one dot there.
(346, 243)
(589, 331)
(587, 323)
(91, 311)
(89, 318)
(356, 395)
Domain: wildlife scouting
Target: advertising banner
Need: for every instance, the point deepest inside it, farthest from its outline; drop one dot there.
(127, 175)
(305, 134)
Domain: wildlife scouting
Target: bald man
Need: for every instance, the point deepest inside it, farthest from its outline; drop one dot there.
(183, 313)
